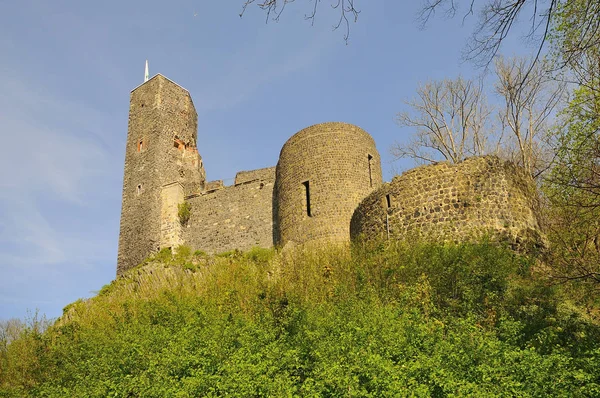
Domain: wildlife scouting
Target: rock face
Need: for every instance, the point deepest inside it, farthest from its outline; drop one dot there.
(481, 196)
(323, 173)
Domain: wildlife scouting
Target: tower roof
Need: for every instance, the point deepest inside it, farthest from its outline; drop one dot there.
(164, 77)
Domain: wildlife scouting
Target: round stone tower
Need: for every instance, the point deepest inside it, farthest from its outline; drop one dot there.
(323, 173)
(479, 197)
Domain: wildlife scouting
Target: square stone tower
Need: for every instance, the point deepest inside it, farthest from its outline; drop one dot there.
(162, 168)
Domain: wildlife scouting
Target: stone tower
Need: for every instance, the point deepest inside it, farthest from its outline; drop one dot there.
(323, 173)
(162, 168)
(466, 201)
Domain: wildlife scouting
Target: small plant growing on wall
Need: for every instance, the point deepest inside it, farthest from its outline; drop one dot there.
(183, 211)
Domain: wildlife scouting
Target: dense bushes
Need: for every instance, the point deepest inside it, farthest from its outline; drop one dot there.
(383, 320)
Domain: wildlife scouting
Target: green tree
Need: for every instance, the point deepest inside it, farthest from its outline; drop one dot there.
(573, 187)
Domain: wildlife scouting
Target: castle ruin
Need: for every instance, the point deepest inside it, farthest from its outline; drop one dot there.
(327, 186)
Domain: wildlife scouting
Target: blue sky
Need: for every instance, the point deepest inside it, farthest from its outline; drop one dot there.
(67, 68)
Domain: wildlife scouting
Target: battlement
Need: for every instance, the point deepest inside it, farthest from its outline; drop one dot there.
(244, 177)
(239, 216)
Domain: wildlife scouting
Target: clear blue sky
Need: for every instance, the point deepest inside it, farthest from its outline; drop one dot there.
(67, 68)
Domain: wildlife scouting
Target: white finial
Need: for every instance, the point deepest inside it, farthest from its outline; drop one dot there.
(146, 75)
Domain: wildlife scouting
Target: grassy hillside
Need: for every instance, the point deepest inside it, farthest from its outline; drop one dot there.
(385, 320)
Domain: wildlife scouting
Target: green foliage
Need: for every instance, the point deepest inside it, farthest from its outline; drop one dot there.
(573, 189)
(184, 212)
(573, 186)
(378, 320)
(182, 254)
(260, 255)
(200, 253)
(575, 37)
(164, 256)
(235, 253)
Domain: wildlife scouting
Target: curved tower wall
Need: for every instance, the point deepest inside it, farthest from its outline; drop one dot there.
(477, 197)
(323, 173)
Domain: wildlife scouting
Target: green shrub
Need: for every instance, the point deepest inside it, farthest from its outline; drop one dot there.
(385, 320)
(200, 253)
(235, 253)
(190, 267)
(184, 212)
(106, 289)
(182, 254)
(165, 255)
(260, 255)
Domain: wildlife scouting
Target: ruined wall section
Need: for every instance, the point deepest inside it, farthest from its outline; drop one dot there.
(234, 217)
(479, 196)
(178, 132)
(323, 173)
(258, 174)
(159, 111)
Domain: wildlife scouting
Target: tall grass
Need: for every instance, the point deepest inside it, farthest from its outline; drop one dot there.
(377, 319)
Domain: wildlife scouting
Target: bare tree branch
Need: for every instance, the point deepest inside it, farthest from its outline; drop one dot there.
(450, 118)
(274, 9)
(530, 97)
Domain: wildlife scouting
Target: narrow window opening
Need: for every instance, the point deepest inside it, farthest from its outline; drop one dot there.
(370, 158)
(388, 200)
(307, 191)
(140, 146)
(139, 189)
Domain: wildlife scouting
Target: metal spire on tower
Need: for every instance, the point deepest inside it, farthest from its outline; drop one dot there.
(146, 75)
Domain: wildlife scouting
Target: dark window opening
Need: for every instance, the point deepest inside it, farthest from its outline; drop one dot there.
(178, 143)
(140, 145)
(307, 191)
(388, 200)
(139, 189)
(370, 158)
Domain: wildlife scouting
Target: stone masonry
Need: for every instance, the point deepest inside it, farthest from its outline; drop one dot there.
(160, 150)
(326, 187)
(235, 217)
(323, 173)
(481, 196)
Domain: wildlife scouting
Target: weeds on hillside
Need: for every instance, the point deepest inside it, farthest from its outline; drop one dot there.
(374, 319)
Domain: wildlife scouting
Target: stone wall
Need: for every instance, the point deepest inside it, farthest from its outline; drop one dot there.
(170, 225)
(258, 174)
(323, 173)
(327, 186)
(160, 150)
(234, 217)
(479, 196)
